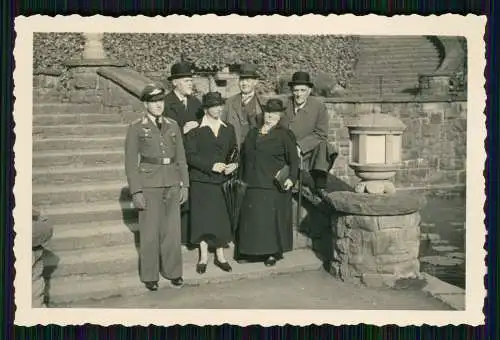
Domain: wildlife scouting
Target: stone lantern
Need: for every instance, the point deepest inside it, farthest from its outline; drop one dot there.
(376, 235)
(375, 142)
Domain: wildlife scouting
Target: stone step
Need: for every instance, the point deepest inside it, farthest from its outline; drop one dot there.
(370, 81)
(78, 158)
(83, 118)
(67, 213)
(47, 96)
(395, 42)
(75, 236)
(74, 289)
(108, 130)
(90, 235)
(396, 67)
(67, 108)
(95, 261)
(85, 193)
(78, 143)
(77, 175)
(415, 50)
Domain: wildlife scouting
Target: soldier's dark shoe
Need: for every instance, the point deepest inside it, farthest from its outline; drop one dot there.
(177, 283)
(270, 261)
(153, 286)
(201, 268)
(225, 266)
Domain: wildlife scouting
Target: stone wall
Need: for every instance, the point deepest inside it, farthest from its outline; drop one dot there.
(434, 143)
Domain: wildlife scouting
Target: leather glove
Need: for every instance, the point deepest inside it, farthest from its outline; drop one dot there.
(139, 201)
(184, 194)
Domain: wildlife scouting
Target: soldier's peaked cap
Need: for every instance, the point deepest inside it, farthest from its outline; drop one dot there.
(152, 93)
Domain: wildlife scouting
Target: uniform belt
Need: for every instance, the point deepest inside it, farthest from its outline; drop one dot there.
(156, 160)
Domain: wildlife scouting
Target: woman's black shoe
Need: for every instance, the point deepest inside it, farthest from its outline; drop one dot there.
(270, 261)
(153, 286)
(176, 283)
(225, 266)
(201, 268)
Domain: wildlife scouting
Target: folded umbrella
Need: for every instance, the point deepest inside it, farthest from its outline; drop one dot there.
(234, 190)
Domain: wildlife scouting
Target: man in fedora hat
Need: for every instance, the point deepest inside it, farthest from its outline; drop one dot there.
(157, 176)
(183, 107)
(243, 110)
(308, 119)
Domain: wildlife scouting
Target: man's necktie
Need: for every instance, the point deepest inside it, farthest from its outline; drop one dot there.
(245, 100)
(158, 122)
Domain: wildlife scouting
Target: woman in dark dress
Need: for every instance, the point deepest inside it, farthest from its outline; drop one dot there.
(208, 147)
(265, 229)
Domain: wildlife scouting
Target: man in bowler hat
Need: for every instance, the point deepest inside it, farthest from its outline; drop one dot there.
(243, 110)
(180, 104)
(183, 107)
(157, 175)
(308, 119)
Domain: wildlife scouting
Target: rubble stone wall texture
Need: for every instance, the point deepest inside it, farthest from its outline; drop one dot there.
(434, 143)
(371, 246)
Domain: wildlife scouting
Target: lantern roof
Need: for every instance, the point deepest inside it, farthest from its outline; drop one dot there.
(376, 121)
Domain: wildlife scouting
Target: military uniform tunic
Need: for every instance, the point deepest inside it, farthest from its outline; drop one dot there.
(155, 164)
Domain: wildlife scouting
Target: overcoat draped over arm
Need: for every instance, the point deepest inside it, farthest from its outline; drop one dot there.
(310, 126)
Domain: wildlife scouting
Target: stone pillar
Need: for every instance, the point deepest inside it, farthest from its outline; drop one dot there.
(83, 84)
(41, 234)
(37, 280)
(376, 238)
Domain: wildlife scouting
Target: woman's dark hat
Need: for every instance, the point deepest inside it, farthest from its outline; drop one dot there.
(301, 78)
(211, 99)
(274, 105)
(248, 71)
(152, 93)
(181, 70)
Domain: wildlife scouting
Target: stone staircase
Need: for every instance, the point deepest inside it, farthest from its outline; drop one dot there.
(398, 60)
(80, 185)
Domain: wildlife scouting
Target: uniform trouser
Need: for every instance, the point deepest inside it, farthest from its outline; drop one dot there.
(160, 235)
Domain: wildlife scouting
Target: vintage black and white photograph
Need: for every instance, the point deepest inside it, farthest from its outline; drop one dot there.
(270, 171)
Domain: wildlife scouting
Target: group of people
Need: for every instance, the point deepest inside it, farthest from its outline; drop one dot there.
(179, 155)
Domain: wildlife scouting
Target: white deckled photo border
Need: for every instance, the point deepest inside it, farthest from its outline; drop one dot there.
(472, 27)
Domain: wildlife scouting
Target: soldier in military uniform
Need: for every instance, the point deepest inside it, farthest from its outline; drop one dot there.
(157, 175)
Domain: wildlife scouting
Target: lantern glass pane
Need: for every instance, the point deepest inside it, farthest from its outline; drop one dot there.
(396, 149)
(354, 146)
(375, 149)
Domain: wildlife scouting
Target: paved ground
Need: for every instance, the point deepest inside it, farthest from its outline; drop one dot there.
(304, 290)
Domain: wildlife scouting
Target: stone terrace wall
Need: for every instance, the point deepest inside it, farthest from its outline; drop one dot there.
(434, 143)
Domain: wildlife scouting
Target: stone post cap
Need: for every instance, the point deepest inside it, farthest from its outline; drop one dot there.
(400, 203)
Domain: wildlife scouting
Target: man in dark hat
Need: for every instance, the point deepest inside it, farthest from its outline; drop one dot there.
(308, 119)
(157, 175)
(180, 104)
(183, 107)
(243, 110)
